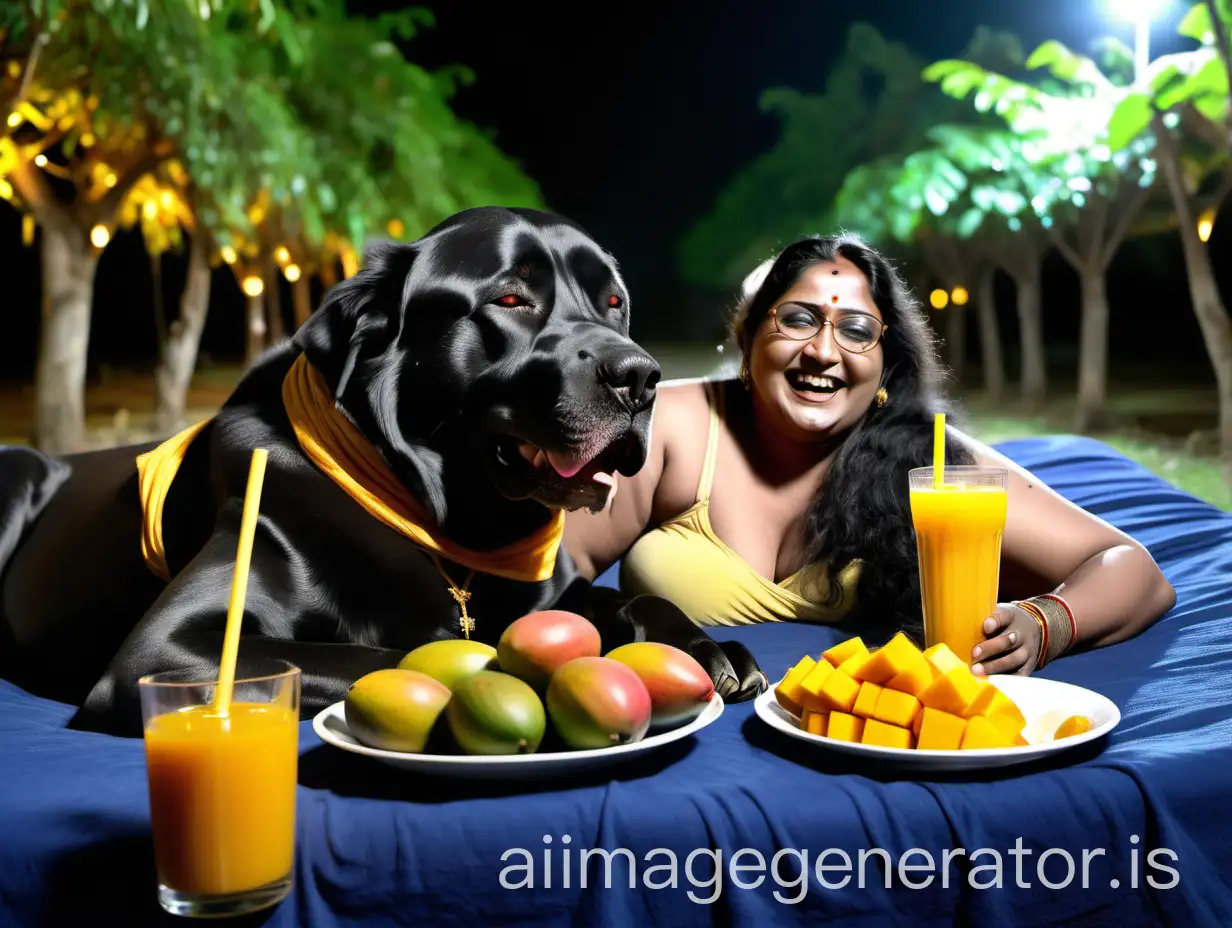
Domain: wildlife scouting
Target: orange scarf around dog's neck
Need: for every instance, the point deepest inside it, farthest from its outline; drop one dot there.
(337, 447)
(333, 443)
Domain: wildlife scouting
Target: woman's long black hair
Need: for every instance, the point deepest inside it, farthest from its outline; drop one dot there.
(862, 509)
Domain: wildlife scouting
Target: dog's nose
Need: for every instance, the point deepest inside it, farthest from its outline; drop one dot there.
(633, 375)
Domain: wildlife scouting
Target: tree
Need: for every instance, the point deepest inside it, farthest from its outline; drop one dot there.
(1181, 104)
(106, 98)
(874, 105)
(1089, 197)
(904, 205)
(272, 126)
(991, 185)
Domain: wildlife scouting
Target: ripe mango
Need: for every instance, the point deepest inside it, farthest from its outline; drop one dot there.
(679, 686)
(597, 702)
(534, 646)
(451, 661)
(394, 709)
(496, 713)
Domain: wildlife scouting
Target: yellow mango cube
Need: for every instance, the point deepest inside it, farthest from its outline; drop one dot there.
(943, 659)
(845, 727)
(1074, 725)
(854, 665)
(788, 693)
(866, 700)
(814, 722)
(1011, 727)
(810, 686)
(952, 692)
(896, 708)
(886, 735)
(940, 731)
(915, 677)
(884, 664)
(991, 702)
(839, 692)
(844, 650)
(919, 720)
(981, 733)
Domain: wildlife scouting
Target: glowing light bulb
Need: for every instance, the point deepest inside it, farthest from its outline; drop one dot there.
(1206, 223)
(291, 272)
(253, 285)
(939, 299)
(100, 235)
(959, 296)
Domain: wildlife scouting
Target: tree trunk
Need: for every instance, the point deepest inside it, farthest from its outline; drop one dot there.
(256, 330)
(301, 299)
(178, 357)
(1093, 351)
(956, 339)
(68, 266)
(1034, 376)
(990, 337)
(273, 301)
(1203, 291)
(329, 274)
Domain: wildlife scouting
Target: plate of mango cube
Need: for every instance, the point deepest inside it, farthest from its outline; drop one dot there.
(925, 708)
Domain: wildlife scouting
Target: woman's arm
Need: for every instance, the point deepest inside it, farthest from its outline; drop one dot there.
(1110, 581)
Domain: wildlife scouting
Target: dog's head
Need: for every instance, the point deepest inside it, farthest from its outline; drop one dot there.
(504, 332)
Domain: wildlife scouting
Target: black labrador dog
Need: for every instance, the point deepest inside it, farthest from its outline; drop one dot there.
(488, 365)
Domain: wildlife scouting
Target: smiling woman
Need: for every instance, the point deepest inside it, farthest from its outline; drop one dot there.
(783, 495)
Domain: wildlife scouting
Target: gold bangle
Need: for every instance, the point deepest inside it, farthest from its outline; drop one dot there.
(1060, 627)
(1034, 612)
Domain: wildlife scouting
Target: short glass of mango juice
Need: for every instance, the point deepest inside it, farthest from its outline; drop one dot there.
(222, 786)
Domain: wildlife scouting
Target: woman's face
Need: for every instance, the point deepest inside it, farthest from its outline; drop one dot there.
(816, 387)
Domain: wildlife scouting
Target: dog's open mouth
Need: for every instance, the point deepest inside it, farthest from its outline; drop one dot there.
(569, 479)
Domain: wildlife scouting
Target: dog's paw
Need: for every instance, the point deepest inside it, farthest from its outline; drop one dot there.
(751, 679)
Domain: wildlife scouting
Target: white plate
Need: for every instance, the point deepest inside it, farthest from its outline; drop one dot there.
(1044, 704)
(330, 726)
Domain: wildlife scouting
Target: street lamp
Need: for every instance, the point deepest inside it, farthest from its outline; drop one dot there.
(1140, 13)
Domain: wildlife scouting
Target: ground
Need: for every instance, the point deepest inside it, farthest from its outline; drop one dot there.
(1166, 427)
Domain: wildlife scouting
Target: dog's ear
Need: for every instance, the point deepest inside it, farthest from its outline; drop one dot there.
(359, 316)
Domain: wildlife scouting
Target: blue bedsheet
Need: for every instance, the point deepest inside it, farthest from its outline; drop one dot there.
(378, 847)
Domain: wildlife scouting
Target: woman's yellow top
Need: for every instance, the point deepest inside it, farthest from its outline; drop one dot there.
(684, 561)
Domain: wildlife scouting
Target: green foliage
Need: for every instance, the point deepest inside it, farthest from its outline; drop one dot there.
(277, 121)
(874, 105)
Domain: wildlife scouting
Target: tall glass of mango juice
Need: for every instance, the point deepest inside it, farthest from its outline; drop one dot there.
(958, 528)
(222, 787)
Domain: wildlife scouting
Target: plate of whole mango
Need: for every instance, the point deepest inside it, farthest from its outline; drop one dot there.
(927, 710)
(544, 701)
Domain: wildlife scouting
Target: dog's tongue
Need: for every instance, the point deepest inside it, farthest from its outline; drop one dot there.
(566, 464)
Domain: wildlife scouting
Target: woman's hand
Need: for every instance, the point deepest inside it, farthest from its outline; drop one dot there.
(1012, 643)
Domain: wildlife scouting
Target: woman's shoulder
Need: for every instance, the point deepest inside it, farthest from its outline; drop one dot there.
(687, 396)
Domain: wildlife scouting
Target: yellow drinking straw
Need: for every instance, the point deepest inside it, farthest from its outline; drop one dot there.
(239, 583)
(938, 449)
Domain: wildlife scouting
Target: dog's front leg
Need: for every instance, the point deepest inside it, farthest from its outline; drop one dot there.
(184, 630)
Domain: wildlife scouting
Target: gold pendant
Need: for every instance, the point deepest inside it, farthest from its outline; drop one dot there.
(462, 597)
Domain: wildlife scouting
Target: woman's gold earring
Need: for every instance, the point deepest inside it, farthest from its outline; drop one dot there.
(744, 374)
(882, 396)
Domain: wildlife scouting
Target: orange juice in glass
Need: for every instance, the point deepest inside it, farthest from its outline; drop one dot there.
(222, 788)
(958, 528)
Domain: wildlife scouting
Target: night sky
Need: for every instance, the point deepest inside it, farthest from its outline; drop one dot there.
(632, 122)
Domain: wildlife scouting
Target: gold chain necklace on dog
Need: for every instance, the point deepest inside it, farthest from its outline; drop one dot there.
(461, 595)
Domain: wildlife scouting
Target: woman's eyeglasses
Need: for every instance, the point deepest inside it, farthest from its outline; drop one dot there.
(854, 331)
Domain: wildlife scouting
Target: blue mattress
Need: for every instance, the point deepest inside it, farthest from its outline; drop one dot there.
(378, 846)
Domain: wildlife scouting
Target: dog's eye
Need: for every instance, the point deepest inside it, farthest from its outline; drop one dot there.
(615, 302)
(511, 300)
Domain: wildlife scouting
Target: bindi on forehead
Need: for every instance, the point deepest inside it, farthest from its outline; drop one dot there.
(835, 286)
